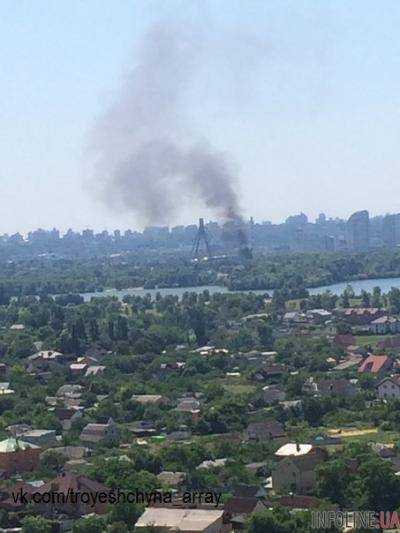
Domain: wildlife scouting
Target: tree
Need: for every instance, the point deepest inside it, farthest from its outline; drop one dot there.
(394, 299)
(94, 331)
(92, 524)
(333, 480)
(313, 411)
(4, 297)
(125, 513)
(52, 461)
(365, 298)
(121, 329)
(376, 300)
(279, 521)
(380, 488)
(279, 301)
(266, 336)
(36, 524)
(345, 299)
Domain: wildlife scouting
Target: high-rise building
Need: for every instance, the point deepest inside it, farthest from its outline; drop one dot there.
(358, 231)
(391, 230)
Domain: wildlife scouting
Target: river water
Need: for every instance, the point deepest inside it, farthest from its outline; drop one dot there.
(367, 284)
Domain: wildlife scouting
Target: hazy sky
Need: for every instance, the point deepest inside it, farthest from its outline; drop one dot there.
(302, 95)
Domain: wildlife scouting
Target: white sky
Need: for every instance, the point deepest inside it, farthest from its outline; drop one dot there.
(303, 95)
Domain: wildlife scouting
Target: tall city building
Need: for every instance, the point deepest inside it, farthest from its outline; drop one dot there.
(391, 230)
(358, 231)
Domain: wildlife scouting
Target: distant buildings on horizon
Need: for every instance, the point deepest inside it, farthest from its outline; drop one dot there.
(359, 233)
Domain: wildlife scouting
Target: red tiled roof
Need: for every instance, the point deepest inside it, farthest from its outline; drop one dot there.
(299, 502)
(67, 481)
(267, 428)
(374, 363)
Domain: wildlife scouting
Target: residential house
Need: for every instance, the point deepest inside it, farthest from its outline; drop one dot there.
(270, 372)
(17, 430)
(260, 469)
(18, 456)
(292, 404)
(295, 474)
(183, 520)
(272, 394)
(294, 317)
(5, 389)
(67, 415)
(181, 434)
(295, 470)
(265, 431)
(249, 491)
(17, 327)
(148, 399)
(190, 406)
(9, 501)
(217, 463)
(299, 503)
(389, 388)
(70, 391)
(205, 350)
(172, 479)
(78, 369)
(45, 356)
(169, 368)
(66, 484)
(94, 370)
(100, 433)
(359, 316)
(293, 449)
(143, 428)
(385, 451)
(44, 438)
(237, 510)
(385, 324)
(330, 387)
(71, 452)
(319, 316)
(348, 362)
(378, 365)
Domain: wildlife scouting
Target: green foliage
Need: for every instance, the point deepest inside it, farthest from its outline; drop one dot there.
(126, 514)
(36, 524)
(278, 521)
(51, 462)
(91, 524)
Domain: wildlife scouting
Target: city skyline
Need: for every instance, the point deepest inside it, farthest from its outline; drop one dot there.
(320, 217)
(359, 233)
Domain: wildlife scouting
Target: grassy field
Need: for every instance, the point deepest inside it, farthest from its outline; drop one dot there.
(365, 435)
(354, 432)
(370, 340)
(239, 388)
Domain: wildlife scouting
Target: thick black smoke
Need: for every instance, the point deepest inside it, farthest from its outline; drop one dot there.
(148, 161)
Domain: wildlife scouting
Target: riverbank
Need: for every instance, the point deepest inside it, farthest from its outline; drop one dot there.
(385, 285)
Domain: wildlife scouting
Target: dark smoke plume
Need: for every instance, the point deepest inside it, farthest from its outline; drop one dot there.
(148, 161)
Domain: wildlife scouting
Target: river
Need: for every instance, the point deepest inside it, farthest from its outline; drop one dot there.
(367, 284)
